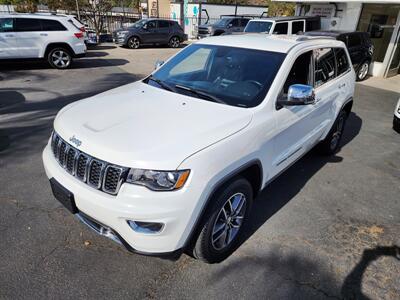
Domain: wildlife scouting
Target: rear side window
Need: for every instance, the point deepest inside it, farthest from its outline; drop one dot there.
(297, 26)
(6, 25)
(163, 24)
(26, 24)
(281, 28)
(324, 66)
(353, 40)
(52, 25)
(342, 62)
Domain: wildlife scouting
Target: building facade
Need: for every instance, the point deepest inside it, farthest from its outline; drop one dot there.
(381, 19)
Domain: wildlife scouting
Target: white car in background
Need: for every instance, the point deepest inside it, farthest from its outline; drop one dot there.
(38, 36)
(396, 117)
(173, 162)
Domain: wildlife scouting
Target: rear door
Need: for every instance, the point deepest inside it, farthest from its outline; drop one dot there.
(8, 39)
(30, 41)
(163, 31)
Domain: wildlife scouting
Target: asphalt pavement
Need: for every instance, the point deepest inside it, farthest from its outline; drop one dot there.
(326, 228)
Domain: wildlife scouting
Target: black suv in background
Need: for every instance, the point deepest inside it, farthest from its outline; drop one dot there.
(150, 31)
(223, 26)
(359, 45)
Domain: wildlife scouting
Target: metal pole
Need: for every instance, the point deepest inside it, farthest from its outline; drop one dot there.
(77, 10)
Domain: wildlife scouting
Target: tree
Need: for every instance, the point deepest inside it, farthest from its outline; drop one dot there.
(276, 9)
(95, 11)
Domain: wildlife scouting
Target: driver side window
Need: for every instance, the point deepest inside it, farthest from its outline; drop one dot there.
(301, 72)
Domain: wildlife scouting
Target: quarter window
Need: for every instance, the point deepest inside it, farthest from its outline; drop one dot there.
(324, 66)
(26, 24)
(341, 61)
(281, 28)
(6, 25)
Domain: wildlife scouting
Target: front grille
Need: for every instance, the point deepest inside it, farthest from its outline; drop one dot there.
(203, 31)
(95, 172)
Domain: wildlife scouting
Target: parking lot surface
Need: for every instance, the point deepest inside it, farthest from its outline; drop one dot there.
(326, 228)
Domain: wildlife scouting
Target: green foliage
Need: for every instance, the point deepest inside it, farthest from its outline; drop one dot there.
(280, 8)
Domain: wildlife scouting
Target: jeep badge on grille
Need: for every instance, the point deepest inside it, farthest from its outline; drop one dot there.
(74, 140)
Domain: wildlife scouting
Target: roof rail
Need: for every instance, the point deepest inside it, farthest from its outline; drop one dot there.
(307, 38)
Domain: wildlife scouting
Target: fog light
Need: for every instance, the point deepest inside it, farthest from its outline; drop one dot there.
(145, 227)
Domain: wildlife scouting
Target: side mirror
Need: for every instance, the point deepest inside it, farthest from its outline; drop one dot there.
(144, 27)
(298, 94)
(158, 64)
(229, 25)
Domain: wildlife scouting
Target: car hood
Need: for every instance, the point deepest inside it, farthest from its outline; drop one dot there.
(141, 126)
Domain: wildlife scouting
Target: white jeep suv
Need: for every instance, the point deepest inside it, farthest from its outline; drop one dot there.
(174, 161)
(33, 36)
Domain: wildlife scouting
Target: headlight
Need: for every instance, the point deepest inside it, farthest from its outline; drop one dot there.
(122, 32)
(158, 180)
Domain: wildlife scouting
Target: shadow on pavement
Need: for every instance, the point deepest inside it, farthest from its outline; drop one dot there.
(352, 285)
(279, 192)
(9, 97)
(103, 47)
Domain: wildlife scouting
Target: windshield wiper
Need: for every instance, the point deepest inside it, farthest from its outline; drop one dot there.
(200, 93)
(161, 83)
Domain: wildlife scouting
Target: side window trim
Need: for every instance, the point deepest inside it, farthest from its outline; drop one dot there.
(336, 62)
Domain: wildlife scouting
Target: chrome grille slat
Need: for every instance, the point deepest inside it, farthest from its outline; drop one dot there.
(96, 173)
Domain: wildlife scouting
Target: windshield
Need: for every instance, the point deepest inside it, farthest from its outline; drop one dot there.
(258, 26)
(229, 75)
(222, 22)
(138, 24)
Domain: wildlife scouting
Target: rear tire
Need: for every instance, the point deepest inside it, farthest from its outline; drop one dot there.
(174, 42)
(363, 71)
(133, 43)
(222, 225)
(59, 58)
(331, 144)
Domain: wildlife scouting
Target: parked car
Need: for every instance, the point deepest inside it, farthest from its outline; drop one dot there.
(359, 46)
(396, 118)
(32, 36)
(173, 162)
(228, 24)
(150, 31)
(91, 37)
(283, 25)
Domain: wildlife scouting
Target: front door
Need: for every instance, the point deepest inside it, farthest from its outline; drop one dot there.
(149, 33)
(8, 40)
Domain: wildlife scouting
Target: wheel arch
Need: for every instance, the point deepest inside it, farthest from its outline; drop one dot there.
(52, 46)
(252, 171)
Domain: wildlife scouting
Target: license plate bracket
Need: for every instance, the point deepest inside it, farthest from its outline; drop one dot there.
(63, 195)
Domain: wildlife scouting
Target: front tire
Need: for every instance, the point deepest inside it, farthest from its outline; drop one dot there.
(174, 42)
(363, 71)
(331, 144)
(133, 42)
(59, 58)
(223, 222)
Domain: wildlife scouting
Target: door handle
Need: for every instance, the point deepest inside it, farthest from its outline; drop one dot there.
(9, 35)
(43, 34)
(342, 85)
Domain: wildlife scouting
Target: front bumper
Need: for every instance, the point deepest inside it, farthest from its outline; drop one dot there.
(176, 210)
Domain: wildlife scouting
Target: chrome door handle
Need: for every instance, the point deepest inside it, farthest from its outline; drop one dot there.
(43, 34)
(9, 35)
(342, 85)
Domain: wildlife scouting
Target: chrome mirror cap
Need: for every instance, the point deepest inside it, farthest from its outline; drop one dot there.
(301, 94)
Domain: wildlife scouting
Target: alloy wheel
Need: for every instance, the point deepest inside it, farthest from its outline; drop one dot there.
(61, 59)
(338, 132)
(363, 71)
(174, 42)
(134, 43)
(228, 221)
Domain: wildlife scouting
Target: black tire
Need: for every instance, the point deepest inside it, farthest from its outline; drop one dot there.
(133, 42)
(362, 71)
(59, 58)
(207, 246)
(331, 144)
(174, 42)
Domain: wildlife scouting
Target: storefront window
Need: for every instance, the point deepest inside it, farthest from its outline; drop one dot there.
(379, 20)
